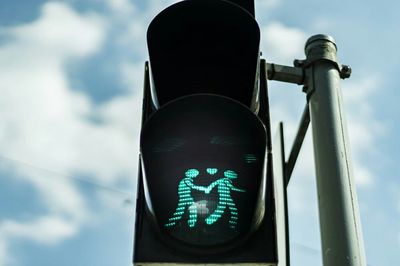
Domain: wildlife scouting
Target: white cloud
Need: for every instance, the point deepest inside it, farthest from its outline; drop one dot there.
(363, 176)
(132, 76)
(5, 259)
(44, 230)
(281, 44)
(364, 128)
(62, 31)
(47, 124)
(131, 25)
(121, 6)
(267, 4)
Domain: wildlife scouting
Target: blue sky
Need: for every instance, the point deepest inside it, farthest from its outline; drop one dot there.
(71, 77)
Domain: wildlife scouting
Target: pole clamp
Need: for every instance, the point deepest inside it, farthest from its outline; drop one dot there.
(344, 70)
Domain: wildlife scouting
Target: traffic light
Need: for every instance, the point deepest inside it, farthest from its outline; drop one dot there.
(205, 192)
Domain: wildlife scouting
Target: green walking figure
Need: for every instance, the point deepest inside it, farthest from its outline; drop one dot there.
(186, 200)
(225, 200)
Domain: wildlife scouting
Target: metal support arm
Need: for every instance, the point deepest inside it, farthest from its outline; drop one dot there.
(288, 74)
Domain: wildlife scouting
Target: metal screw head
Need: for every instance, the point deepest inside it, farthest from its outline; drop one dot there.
(345, 72)
(298, 63)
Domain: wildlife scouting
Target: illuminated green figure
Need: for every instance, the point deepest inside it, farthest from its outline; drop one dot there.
(186, 200)
(225, 200)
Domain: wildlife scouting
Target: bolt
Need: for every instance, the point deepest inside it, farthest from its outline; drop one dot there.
(298, 63)
(345, 72)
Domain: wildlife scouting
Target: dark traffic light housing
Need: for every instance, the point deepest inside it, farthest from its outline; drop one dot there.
(205, 190)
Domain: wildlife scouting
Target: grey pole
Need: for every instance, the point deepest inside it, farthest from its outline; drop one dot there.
(341, 236)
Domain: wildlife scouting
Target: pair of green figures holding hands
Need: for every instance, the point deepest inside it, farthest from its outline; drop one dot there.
(224, 186)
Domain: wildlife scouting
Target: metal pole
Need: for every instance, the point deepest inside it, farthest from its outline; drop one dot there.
(341, 235)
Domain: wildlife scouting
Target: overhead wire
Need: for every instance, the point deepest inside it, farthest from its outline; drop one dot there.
(67, 176)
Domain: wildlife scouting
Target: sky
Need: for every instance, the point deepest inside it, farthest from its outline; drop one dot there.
(71, 75)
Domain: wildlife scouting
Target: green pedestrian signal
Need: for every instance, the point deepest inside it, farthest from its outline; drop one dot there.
(186, 201)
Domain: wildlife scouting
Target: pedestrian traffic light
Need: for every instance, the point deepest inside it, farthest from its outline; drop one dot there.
(205, 181)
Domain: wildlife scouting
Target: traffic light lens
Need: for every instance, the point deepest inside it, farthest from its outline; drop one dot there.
(203, 158)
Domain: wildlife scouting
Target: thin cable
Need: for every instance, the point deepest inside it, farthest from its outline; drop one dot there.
(311, 250)
(55, 173)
